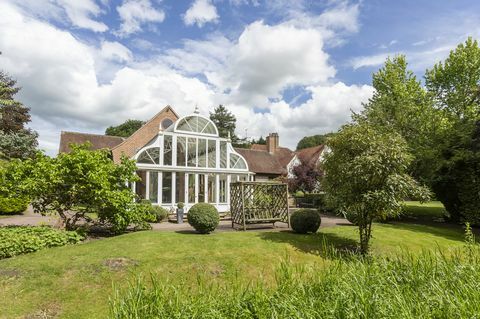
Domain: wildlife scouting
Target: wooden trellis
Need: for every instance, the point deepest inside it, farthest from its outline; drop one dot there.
(259, 203)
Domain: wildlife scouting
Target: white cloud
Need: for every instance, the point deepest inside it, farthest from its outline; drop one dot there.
(135, 13)
(115, 51)
(370, 60)
(200, 13)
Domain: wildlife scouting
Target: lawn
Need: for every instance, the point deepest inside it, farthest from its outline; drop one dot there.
(431, 211)
(76, 281)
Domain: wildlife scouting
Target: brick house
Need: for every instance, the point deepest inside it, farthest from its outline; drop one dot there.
(183, 159)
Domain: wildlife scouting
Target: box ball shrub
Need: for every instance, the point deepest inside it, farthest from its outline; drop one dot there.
(203, 217)
(12, 205)
(160, 213)
(305, 221)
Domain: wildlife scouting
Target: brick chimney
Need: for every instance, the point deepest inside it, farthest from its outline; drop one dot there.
(272, 142)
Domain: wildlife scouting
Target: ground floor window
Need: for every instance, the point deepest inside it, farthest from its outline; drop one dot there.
(169, 188)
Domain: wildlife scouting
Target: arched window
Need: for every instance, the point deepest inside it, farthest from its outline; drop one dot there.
(166, 123)
(149, 156)
(197, 124)
(237, 162)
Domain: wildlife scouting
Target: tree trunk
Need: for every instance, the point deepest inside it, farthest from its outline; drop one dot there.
(365, 235)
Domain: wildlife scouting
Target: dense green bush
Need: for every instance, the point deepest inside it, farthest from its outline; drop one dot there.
(161, 213)
(16, 240)
(203, 217)
(403, 286)
(15, 205)
(305, 221)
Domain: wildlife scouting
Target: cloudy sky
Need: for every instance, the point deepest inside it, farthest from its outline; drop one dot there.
(293, 67)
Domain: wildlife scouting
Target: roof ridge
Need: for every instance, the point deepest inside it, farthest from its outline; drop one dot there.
(92, 134)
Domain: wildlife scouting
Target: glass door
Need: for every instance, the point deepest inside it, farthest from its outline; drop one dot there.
(191, 189)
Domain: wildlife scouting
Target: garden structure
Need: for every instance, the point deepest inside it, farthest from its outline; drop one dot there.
(259, 203)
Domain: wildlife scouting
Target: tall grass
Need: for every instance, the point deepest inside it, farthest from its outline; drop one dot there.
(429, 285)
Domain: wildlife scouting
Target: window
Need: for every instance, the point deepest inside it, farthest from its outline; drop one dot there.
(202, 152)
(181, 149)
(141, 186)
(180, 187)
(153, 187)
(223, 154)
(201, 188)
(149, 156)
(197, 124)
(166, 123)
(237, 162)
(167, 188)
(167, 150)
(191, 188)
(212, 153)
(192, 152)
(223, 188)
(211, 188)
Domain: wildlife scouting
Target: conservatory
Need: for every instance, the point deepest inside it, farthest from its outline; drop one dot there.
(189, 162)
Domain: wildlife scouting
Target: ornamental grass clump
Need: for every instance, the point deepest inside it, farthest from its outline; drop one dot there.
(203, 217)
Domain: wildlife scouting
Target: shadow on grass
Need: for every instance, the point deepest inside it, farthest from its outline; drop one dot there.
(445, 230)
(318, 244)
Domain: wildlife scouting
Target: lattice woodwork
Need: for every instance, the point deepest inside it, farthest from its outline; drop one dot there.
(258, 203)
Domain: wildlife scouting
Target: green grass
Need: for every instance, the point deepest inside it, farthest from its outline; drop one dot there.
(431, 211)
(76, 281)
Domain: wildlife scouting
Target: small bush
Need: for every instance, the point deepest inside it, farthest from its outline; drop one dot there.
(305, 221)
(15, 205)
(16, 240)
(352, 218)
(203, 217)
(160, 213)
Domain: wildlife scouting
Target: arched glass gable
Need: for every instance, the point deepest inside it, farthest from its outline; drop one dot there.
(237, 162)
(149, 156)
(196, 124)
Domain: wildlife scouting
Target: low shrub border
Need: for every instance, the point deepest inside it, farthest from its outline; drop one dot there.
(16, 240)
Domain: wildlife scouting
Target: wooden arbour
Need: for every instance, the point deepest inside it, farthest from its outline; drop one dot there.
(259, 203)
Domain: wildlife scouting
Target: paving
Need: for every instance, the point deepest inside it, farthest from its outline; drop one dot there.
(32, 219)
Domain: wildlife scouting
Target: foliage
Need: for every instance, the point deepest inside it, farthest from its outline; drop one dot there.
(180, 205)
(161, 213)
(81, 182)
(16, 141)
(125, 129)
(448, 287)
(314, 140)
(260, 141)
(225, 122)
(13, 205)
(203, 217)
(16, 240)
(455, 85)
(366, 175)
(400, 104)
(305, 221)
(305, 178)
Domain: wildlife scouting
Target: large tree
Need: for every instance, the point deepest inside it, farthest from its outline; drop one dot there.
(366, 176)
(400, 104)
(305, 178)
(314, 140)
(455, 85)
(16, 140)
(125, 129)
(225, 122)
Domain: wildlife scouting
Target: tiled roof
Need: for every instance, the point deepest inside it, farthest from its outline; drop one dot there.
(259, 147)
(98, 141)
(310, 155)
(262, 162)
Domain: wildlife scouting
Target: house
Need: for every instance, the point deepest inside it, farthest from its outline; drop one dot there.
(183, 159)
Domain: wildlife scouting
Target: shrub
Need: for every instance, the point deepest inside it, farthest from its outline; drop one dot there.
(305, 221)
(16, 240)
(203, 217)
(13, 205)
(160, 213)
(351, 217)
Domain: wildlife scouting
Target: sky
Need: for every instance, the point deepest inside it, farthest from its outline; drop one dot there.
(294, 67)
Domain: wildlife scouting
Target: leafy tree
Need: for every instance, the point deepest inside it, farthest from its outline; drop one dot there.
(225, 122)
(455, 85)
(314, 140)
(305, 178)
(80, 182)
(366, 176)
(16, 141)
(125, 129)
(400, 104)
(260, 141)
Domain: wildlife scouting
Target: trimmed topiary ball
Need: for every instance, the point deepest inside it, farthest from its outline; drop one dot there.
(203, 217)
(305, 221)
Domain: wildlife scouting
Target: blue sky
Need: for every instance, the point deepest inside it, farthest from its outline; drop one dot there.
(294, 67)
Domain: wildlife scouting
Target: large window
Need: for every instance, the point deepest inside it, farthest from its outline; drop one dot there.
(237, 162)
(192, 152)
(153, 187)
(191, 188)
(223, 188)
(181, 149)
(167, 150)
(141, 185)
(202, 152)
(180, 187)
(201, 188)
(197, 124)
(223, 154)
(167, 188)
(211, 188)
(212, 153)
(150, 156)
